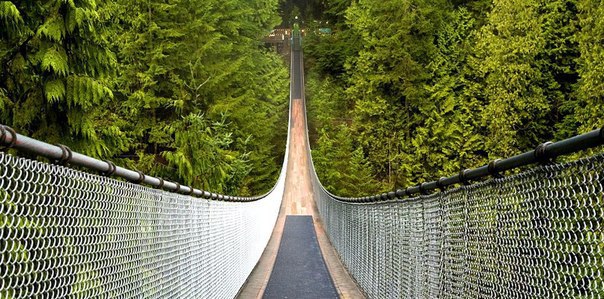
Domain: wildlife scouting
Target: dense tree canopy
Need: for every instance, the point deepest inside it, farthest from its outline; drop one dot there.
(402, 91)
(431, 87)
(172, 88)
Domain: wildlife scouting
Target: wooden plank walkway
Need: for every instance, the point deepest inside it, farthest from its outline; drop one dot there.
(300, 271)
(298, 199)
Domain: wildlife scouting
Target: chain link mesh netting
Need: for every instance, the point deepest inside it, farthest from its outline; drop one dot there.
(67, 233)
(538, 234)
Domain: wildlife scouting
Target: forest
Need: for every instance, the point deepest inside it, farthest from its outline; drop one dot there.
(399, 91)
(407, 91)
(171, 88)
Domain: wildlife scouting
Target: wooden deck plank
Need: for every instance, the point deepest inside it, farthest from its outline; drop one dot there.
(298, 199)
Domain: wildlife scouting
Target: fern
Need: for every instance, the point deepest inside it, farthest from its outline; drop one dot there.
(53, 29)
(86, 92)
(54, 90)
(10, 14)
(55, 59)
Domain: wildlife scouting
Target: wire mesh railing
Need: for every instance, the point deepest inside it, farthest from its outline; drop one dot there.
(71, 234)
(536, 234)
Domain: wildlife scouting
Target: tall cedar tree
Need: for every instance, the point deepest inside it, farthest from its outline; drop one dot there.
(55, 82)
(434, 87)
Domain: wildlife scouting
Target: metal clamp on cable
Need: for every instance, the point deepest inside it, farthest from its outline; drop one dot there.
(141, 178)
(400, 193)
(422, 189)
(177, 187)
(66, 155)
(541, 153)
(161, 183)
(191, 191)
(441, 184)
(492, 169)
(463, 177)
(111, 170)
(3, 135)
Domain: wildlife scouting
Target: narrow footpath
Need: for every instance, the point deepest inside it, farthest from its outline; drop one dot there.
(298, 199)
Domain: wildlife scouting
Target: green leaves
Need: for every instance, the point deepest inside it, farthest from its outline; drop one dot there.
(53, 29)
(56, 76)
(86, 92)
(591, 65)
(184, 59)
(9, 14)
(437, 86)
(54, 59)
(55, 90)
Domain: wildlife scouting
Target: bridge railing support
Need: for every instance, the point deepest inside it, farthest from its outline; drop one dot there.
(537, 233)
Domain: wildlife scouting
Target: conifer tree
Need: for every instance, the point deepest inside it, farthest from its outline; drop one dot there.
(447, 135)
(198, 64)
(55, 79)
(590, 91)
(527, 56)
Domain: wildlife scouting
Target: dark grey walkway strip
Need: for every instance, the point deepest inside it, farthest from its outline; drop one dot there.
(300, 270)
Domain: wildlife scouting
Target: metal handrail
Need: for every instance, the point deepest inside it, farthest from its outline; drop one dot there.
(545, 152)
(63, 155)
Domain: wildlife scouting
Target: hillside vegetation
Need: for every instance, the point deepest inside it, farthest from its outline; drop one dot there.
(405, 91)
(178, 89)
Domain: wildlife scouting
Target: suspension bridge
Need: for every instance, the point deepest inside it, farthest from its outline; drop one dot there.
(110, 232)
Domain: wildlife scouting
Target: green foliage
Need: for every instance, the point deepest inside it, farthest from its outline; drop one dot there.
(339, 161)
(432, 87)
(174, 89)
(56, 73)
(190, 58)
(341, 167)
(591, 46)
(202, 156)
(524, 52)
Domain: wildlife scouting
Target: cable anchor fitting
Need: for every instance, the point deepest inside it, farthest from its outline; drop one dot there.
(542, 154)
(492, 169)
(66, 155)
(111, 168)
(3, 135)
(441, 184)
(463, 177)
(141, 178)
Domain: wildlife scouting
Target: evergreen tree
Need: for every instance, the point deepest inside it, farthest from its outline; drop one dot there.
(590, 91)
(188, 77)
(386, 81)
(55, 82)
(436, 87)
(341, 167)
(198, 64)
(447, 135)
(527, 57)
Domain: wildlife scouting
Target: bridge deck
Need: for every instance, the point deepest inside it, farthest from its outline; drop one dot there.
(298, 198)
(299, 270)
